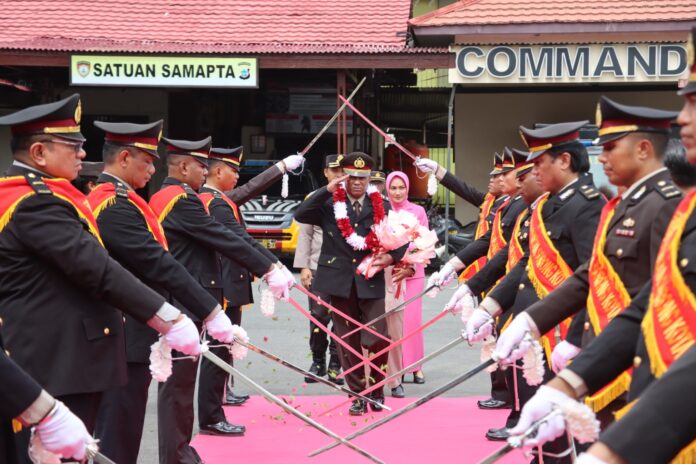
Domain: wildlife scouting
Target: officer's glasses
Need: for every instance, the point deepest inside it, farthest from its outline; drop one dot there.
(76, 146)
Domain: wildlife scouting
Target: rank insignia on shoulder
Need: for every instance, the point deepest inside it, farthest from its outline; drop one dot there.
(667, 189)
(589, 192)
(188, 189)
(121, 190)
(37, 184)
(565, 195)
(217, 195)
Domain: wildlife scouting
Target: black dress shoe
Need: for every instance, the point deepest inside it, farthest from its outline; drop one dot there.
(317, 369)
(332, 374)
(398, 392)
(378, 399)
(490, 403)
(501, 434)
(358, 408)
(223, 428)
(235, 400)
(419, 380)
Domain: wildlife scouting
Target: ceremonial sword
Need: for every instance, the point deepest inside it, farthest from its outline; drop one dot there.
(212, 357)
(315, 377)
(518, 441)
(333, 118)
(393, 310)
(424, 360)
(437, 392)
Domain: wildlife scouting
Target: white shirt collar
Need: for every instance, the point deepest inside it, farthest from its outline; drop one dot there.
(119, 179)
(640, 181)
(31, 168)
(212, 188)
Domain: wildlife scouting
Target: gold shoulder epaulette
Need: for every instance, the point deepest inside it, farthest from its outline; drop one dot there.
(667, 189)
(589, 192)
(37, 184)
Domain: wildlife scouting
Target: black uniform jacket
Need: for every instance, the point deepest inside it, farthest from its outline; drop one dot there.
(463, 190)
(236, 279)
(633, 238)
(126, 236)
(571, 217)
(57, 285)
(621, 344)
(194, 238)
(479, 247)
(338, 261)
(17, 392)
(662, 422)
(255, 186)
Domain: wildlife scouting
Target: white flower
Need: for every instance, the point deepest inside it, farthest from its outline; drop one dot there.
(581, 420)
(267, 303)
(432, 184)
(238, 351)
(533, 364)
(160, 360)
(340, 210)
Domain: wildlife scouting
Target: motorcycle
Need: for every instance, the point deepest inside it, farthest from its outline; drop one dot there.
(458, 235)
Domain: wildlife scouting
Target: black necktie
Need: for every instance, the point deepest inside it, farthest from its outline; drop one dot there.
(356, 208)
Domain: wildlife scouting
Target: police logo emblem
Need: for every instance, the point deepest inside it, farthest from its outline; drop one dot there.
(83, 68)
(359, 163)
(629, 222)
(598, 116)
(78, 112)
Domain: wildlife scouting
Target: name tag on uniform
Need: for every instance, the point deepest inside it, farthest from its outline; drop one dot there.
(625, 232)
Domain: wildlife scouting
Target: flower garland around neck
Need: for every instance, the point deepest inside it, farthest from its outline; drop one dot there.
(340, 207)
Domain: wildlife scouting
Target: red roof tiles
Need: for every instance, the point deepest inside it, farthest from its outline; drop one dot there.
(206, 26)
(500, 12)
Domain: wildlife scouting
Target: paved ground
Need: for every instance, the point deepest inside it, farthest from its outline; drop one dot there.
(287, 335)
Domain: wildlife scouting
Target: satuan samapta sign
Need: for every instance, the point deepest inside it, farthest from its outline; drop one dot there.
(542, 64)
(163, 71)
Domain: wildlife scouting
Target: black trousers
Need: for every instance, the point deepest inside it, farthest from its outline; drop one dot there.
(362, 310)
(122, 416)
(175, 413)
(211, 387)
(318, 339)
(499, 388)
(83, 405)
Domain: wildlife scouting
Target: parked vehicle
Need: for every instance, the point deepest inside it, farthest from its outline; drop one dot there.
(269, 217)
(458, 235)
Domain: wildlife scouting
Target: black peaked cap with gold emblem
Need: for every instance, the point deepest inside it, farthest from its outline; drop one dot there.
(143, 136)
(508, 160)
(690, 86)
(230, 156)
(357, 164)
(333, 161)
(199, 149)
(553, 136)
(497, 164)
(377, 176)
(521, 160)
(615, 120)
(60, 119)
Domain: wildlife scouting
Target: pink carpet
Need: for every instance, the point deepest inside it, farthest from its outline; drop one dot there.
(442, 430)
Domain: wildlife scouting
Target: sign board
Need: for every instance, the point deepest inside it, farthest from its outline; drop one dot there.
(568, 64)
(298, 113)
(163, 71)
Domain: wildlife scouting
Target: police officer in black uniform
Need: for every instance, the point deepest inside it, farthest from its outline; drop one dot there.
(195, 239)
(358, 297)
(129, 153)
(57, 281)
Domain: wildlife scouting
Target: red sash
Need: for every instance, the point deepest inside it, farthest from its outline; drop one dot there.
(498, 241)
(15, 189)
(104, 195)
(515, 250)
(606, 298)
(481, 229)
(207, 198)
(163, 201)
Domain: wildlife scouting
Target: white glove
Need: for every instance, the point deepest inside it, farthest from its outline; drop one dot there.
(466, 306)
(293, 162)
(444, 276)
(562, 354)
(426, 165)
(453, 303)
(512, 344)
(220, 328)
(64, 433)
(184, 337)
(586, 458)
(537, 407)
(277, 282)
(479, 326)
(288, 275)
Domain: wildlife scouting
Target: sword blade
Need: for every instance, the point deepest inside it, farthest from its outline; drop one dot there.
(292, 367)
(424, 360)
(493, 457)
(400, 307)
(333, 118)
(433, 394)
(99, 458)
(212, 357)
